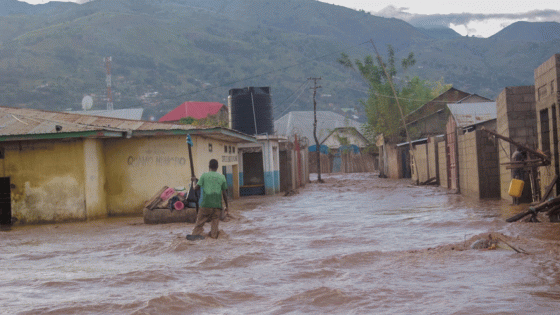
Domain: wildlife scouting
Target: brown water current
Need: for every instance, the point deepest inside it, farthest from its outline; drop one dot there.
(356, 244)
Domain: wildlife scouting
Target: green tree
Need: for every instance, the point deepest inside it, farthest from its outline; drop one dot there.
(382, 111)
(188, 121)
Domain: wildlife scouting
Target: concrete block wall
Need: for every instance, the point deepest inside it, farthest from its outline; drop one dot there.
(422, 163)
(468, 165)
(442, 164)
(394, 164)
(517, 120)
(547, 94)
(427, 160)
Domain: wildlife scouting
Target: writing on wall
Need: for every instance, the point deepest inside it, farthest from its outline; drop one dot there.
(147, 160)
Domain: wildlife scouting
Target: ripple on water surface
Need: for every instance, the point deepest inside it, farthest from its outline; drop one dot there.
(355, 244)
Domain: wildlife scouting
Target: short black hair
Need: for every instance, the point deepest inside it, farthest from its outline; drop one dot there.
(213, 164)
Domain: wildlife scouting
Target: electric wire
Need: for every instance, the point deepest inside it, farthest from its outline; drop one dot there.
(264, 74)
(302, 90)
(287, 98)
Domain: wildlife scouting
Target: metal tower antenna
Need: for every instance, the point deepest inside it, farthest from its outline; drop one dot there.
(108, 80)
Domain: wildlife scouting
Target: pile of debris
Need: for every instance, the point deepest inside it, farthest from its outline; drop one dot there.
(170, 205)
(551, 207)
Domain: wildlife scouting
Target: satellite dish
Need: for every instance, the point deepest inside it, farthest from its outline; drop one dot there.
(87, 102)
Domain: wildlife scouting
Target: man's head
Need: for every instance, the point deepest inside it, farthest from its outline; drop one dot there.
(213, 165)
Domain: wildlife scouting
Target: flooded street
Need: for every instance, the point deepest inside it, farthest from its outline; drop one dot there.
(356, 244)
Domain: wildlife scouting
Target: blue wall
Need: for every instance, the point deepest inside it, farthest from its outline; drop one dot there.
(272, 182)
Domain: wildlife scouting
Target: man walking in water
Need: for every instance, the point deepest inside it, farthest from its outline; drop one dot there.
(214, 187)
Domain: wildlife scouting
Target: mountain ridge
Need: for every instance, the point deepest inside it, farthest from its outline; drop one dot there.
(198, 50)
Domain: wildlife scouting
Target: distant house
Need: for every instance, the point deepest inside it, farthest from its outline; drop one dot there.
(301, 123)
(196, 110)
(345, 136)
(430, 119)
(348, 150)
(427, 121)
(472, 163)
(334, 131)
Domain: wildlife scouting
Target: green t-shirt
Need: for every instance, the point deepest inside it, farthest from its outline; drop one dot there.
(212, 184)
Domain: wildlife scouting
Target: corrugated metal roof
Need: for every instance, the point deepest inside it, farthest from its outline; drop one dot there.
(126, 113)
(467, 114)
(301, 123)
(71, 122)
(33, 122)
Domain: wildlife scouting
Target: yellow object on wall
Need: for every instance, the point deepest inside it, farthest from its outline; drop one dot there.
(516, 188)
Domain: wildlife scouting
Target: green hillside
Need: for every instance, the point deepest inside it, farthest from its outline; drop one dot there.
(166, 52)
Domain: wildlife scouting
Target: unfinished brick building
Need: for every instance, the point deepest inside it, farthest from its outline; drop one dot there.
(516, 120)
(547, 107)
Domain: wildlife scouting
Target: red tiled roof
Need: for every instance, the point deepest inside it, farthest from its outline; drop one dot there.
(196, 110)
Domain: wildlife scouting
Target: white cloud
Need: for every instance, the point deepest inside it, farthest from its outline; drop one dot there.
(477, 24)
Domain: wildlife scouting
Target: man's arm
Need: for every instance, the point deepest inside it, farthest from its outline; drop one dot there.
(194, 179)
(224, 195)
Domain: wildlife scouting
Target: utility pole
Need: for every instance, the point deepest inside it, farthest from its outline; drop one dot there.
(315, 87)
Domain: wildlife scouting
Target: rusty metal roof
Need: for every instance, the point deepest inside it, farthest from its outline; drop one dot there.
(468, 114)
(87, 122)
(33, 123)
(124, 113)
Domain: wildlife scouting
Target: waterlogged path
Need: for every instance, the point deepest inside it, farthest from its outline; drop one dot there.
(356, 244)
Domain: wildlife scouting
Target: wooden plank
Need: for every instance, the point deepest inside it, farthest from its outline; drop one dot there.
(510, 167)
(521, 162)
(155, 200)
(548, 190)
(541, 155)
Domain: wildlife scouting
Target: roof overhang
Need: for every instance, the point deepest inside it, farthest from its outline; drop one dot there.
(414, 142)
(63, 135)
(222, 134)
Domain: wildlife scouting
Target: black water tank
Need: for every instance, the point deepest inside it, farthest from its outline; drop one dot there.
(242, 102)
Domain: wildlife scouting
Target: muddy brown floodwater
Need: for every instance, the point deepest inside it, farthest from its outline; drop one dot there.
(356, 244)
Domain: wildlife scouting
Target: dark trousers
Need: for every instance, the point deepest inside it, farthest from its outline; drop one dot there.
(206, 215)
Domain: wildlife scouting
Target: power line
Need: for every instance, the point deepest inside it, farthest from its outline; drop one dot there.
(302, 90)
(265, 73)
(287, 98)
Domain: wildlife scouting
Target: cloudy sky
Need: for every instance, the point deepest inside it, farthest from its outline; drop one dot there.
(481, 18)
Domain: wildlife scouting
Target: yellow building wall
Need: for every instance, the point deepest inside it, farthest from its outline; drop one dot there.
(421, 171)
(205, 149)
(394, 165)
(468, 165)
(94, 174)
(47, 179)
(137, 168)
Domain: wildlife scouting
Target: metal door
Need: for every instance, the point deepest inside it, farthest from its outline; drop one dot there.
(5, 202)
